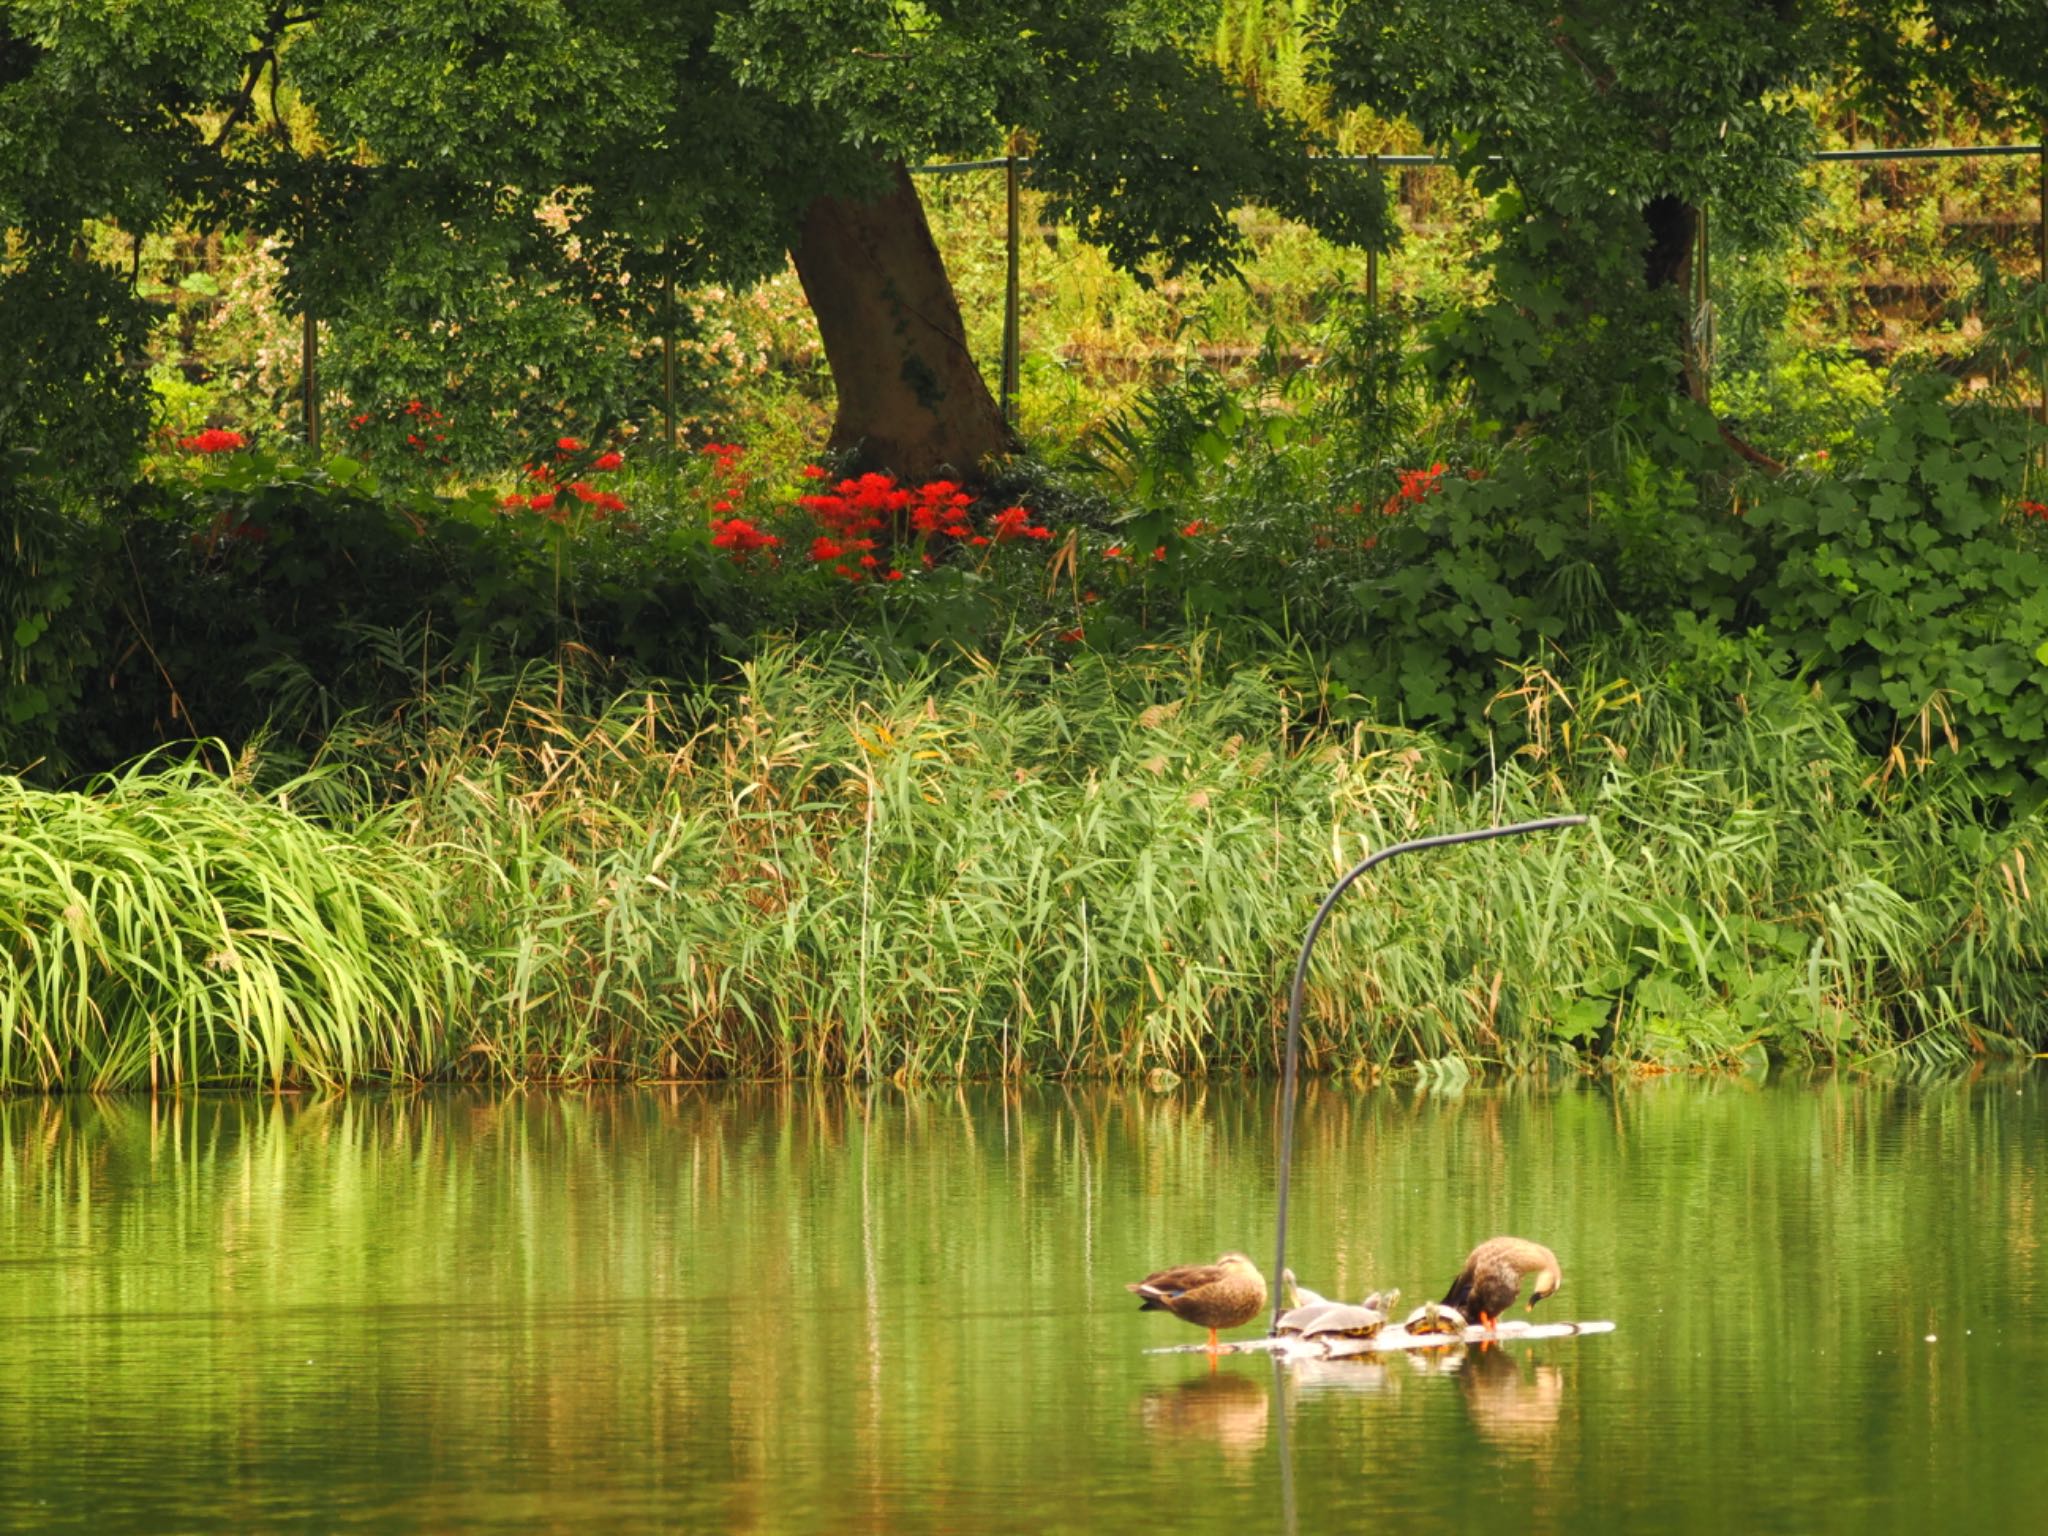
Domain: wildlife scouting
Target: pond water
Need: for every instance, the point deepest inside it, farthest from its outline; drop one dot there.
(835, 1310)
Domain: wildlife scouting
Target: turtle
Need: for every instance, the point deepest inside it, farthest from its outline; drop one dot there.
(1295, 1294)
(1341, 1320)
(1383, 1301)
(1433, 1317)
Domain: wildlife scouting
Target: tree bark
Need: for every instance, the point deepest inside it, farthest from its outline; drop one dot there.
(1667, 263)
(911, 400)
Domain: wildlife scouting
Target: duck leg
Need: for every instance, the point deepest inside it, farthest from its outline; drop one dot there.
(1212, 1341)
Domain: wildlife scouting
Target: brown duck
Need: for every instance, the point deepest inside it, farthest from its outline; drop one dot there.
(1226, 1294)
(1492, 1277)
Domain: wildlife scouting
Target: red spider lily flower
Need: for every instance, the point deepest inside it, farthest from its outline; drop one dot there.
(721, 505)
(569, 444)
(1015, 523)
(850, 573)
(513, 501)
(941, 505)
(1194, 530)
(1417, 486)
(957, 531)
(412, 439)
(895, 576)
(741, 537)
(357, 423)
(542, 502)
(2034, 509)
(869, 562)
(611, 460)
(929, 563)
(1159, 553)
(1114, 552)
(413, 407)
(600, 502)
(813, 472)
(213, 440)
(823, 549)
(979, 540)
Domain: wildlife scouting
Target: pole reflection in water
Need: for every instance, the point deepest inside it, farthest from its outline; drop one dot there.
(1288, 1517)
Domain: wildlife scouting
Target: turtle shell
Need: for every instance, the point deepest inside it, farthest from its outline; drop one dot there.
(1341, 1320)
(1434, 1317)
(1304, 1318)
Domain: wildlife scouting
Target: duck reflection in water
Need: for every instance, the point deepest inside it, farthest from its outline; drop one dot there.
(1229, 1410)
(1510, 1408)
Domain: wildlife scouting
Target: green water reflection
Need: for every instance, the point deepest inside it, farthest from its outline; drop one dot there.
(861, 1311)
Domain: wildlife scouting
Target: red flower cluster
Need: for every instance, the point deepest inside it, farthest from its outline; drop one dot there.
(940, 507)
(213, 440)
(1015, 523)
(855, 508)
(740, 536)
(2034, 509)
(1417, 486)
(549, 503)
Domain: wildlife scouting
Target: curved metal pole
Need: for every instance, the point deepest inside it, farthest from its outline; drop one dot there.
(1290, 1073)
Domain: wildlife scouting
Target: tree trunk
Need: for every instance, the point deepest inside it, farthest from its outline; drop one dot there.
(1667, 263)
(911, 400)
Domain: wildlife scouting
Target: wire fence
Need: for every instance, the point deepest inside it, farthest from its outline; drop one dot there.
(1016, 167)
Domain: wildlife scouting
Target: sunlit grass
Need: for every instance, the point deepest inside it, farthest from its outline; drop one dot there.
(1024, 866)
(172, 927)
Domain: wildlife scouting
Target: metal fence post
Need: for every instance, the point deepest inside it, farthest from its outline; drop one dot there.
(668, 346)
(309, 378)
(1012, 339)
(1372, 255)
(309, 351)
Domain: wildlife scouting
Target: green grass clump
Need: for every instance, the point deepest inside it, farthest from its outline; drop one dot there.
(845, 865)
(173, 927)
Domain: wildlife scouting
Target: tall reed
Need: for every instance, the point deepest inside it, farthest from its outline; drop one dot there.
(1104, 866)
(1027, 865)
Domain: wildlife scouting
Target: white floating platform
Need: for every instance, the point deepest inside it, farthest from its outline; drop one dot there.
(1389, 1340)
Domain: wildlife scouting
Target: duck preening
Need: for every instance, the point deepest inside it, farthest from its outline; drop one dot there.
(1492, 1277)
(1226, 1294)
